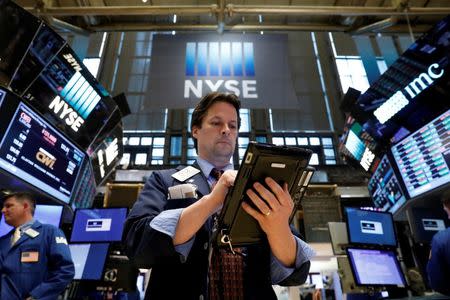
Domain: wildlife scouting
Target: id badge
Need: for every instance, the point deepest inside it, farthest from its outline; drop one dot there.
(29, 256)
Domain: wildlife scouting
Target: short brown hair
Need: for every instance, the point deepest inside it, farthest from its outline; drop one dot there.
(206, 102)
(445, 198)
(22, 196)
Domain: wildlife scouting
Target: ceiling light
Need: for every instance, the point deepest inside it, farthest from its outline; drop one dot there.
(145, 1)
(260, 18)
(174, 19)
(173, 32)
(262, 32)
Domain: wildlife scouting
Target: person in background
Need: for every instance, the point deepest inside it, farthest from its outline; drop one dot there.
(35, 260)
(171, 233)
(438, 267)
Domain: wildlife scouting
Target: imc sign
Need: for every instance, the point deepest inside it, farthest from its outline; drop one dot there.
(185, 67)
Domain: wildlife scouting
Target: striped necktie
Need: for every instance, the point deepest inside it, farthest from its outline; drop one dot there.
(16, 236)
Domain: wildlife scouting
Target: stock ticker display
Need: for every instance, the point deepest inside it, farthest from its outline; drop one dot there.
(38, 154)
(423, 158)
(385, 188)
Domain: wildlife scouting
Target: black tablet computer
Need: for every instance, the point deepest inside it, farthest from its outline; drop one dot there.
(282, 163)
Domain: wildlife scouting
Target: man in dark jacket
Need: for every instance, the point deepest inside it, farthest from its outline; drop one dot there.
(171, 233)
(438, 267)
(35, 260)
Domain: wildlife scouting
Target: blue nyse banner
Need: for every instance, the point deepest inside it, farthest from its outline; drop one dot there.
(255, 67)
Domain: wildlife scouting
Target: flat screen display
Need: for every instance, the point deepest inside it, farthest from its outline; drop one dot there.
(375, 267)
(46, 214)
(370, 227)
(89, 260)
(423, 158)
(44, 47)
(384, 187)
(17, 29)
(425, 222)
(34, 151)
(413, 90)
(71, 98)
(98, 225)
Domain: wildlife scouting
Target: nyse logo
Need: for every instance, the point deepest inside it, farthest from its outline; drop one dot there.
(220, 59)
(371, 227)
(80, 99)
(72, 61)
(98, 225)
(46, 158)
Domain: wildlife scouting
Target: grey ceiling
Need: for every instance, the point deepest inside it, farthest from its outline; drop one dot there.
(352, 16)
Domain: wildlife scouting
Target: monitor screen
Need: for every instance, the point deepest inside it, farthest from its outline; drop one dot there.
(47, 214)
(384, 187)
(370, 227)
(89, 260)
(17, 29)
(44, 47)
(98, 225)
(69, 97)
(375, 267)
(423, 158)
(425, 222)
(37, 153)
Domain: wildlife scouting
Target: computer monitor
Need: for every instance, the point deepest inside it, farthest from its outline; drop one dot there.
(98, 225)
(89, 260)
(425, 222)
(384, 187)
(423, 158)
(370, 227)
(375, 267)
(46, 214)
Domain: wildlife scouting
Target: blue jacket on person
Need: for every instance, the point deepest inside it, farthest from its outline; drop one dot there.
(438, 267)
(39, 264)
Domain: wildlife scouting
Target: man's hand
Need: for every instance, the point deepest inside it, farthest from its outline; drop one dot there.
(221, 188)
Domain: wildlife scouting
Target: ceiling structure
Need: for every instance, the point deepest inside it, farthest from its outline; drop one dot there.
(350, 16)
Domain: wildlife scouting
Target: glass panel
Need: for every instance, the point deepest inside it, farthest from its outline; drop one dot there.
(140, 159)
(303, 141)
(261, 139)
(189, 118)
(330, 162)
(146, 141)
(191, 152)
(245, 120)
(291, 141)
(92, 64)
(329, 153)
(356, 67)
(190, 142)
(342, 67)
(175, 162)
(157, 152)
(134, 141)
(314, 159)
(124, 140)
(158, 141)
(243, 141)
(157, 161)
(190, 161)
(327, 141)
(175, 146)
(381, 65)
(125, 159)
(278, 141)
(314, 141)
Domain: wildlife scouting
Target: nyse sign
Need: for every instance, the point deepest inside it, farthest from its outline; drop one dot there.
(244, 88)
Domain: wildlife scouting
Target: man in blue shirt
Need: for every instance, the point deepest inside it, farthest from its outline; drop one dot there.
(35, 261)
(438, 267)
(170, 233)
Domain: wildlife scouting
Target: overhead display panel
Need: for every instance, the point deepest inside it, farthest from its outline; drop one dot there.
(423, 158)
(43, 49)
(385, 188)
(35, 152)
(413, 91)
(17, 29)
(71, 98)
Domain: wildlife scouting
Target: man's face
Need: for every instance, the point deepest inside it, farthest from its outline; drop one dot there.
(447, 210)
(14, 211)
(217, 136)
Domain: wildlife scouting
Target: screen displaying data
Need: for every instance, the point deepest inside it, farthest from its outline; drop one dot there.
(370, 227)
(98, 225)
(423, 158)
(384, 187)
(89, 260)
(37, 153)
(46, 214)
(375, 267)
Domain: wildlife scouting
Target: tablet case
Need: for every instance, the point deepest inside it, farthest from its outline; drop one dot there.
(234, 227)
